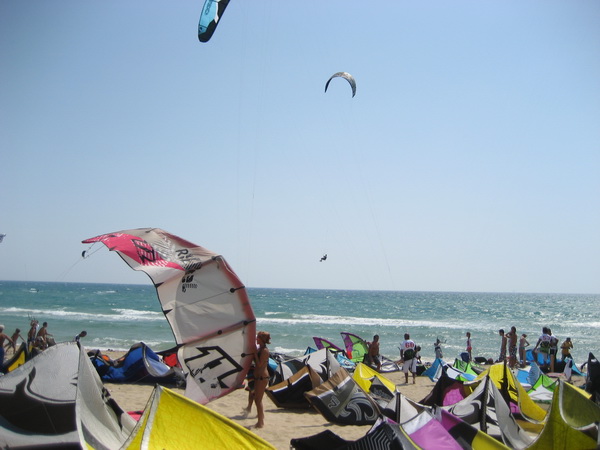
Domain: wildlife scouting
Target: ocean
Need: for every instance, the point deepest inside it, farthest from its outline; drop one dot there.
(118, 316)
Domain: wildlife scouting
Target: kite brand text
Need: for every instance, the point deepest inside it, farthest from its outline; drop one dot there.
(186, 286)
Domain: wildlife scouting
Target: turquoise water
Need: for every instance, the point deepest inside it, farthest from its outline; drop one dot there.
(117, 316)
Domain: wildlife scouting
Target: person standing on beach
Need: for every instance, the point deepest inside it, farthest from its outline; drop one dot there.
(512, 347)
(437, 348)
(372, 356)
(32, 333)
(502, 356)
(523, 342)
(3, 337)
(544, 345)
(407, 355)
(42, 336)
(14, 338)
(469, 346)
(79, 336)
(565, 348)
(261, 374)
(553, 349)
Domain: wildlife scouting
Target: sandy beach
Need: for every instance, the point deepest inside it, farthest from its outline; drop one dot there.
(281, 425)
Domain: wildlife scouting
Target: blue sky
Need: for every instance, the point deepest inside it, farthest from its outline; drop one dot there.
(469, 159)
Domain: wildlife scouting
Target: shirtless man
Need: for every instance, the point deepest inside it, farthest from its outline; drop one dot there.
(373, 354)
(512, 346)
(502, 356)
(3, 337)
(42, 336)
(32, 333)
(15, 338)
(566, 347)
(523, 343)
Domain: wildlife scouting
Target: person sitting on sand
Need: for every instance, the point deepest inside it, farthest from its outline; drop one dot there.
(372, 356)
(3, 337)
(407, 355)
(418, 354)
(261, 374)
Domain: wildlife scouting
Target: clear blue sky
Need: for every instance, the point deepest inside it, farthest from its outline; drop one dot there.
(469, 159)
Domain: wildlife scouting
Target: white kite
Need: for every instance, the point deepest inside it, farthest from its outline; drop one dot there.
(203, 300)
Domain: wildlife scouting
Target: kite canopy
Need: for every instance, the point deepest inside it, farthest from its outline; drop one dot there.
(345, 75)
(212, 11)
(204, 301)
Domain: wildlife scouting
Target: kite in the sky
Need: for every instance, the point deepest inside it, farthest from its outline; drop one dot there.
(212, 11)
(345, 75)
(205, 303)
(2, 237)
(323, 258)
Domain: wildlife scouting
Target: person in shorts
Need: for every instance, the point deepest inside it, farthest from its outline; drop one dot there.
(372, 356)
(512, 338)
(408, 355)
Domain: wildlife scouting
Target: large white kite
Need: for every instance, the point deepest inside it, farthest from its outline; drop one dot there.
(205, 303)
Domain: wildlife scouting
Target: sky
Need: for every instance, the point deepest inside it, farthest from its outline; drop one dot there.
(469, 159)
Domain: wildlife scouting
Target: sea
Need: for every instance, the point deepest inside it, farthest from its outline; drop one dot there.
(116, 316)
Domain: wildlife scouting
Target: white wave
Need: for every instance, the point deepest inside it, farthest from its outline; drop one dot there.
(135, 314)
(289, 351)
(105, 292)
(362, 321)
(123, 315)
(123, 345)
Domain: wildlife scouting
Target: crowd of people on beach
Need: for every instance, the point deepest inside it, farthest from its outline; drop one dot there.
(513, 350)
(546, 346)
(37, 338)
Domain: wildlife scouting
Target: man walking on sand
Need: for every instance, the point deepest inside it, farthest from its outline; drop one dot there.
(407, 355)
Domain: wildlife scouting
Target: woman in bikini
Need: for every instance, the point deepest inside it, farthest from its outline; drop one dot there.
(261, 374)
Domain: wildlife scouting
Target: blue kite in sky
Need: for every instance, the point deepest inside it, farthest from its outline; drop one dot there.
(212, 11)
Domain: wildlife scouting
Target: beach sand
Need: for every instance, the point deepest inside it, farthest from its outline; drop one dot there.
(281, 425)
